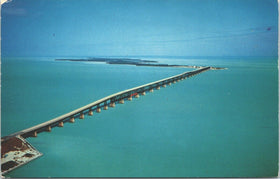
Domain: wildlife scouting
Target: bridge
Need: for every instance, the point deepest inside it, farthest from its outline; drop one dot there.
(104, 103)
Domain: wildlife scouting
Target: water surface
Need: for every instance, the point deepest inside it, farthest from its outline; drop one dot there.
(220, 123)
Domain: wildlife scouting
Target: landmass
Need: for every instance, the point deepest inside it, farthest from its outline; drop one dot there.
(136, 62)
(16, 151)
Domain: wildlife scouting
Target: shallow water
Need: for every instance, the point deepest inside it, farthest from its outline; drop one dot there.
(221, 123)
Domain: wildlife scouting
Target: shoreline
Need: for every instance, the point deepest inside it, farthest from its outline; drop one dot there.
(135, 62)
(15, 152)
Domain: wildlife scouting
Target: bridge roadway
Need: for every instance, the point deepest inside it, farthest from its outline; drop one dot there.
(103, 103)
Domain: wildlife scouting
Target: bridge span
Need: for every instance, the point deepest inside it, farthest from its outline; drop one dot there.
(104, 103)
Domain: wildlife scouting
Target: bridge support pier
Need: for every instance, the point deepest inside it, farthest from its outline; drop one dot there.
(121, 101)
(151, 90)
(82, 116)
(158, 87)
(98, 110)
(129, 98)
(169, 83)
(60, 124)
(143, 93)
(112, 104)
(49, 128)
(90, 112)
(34, 134)
(164, 85)
(105, 107)
(137, 96)
(72, 120)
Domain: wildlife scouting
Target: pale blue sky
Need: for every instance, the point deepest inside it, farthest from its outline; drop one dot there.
(139, 27)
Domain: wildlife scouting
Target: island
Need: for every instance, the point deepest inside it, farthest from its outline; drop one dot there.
(133, 61)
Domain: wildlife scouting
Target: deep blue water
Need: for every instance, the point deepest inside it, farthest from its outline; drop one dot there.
(221, 123)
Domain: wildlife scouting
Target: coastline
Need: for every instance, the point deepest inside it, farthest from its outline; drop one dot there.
(136, 62)
(15, 152)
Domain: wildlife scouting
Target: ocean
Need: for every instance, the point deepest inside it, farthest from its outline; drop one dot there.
(220, 123)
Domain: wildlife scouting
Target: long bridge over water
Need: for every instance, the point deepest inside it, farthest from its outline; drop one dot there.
(16, 151)
(104, 103)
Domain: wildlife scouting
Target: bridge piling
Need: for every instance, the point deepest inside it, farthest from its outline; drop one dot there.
(49, 128)
(90, 112)
(98, 110)
(121, 101)
(60, 124)
(34, 134)
(82, 116)
(72, 120)
(112, 104)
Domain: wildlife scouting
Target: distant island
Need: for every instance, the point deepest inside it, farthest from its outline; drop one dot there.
(136, 62)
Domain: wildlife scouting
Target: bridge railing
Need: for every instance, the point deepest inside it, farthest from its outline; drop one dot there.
(110, 100)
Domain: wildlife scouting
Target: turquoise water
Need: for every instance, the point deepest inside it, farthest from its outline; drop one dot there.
(220, 123)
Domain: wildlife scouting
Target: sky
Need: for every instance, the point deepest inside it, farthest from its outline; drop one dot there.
(139, 27)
